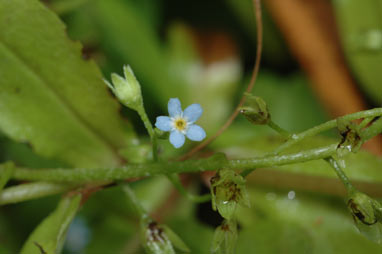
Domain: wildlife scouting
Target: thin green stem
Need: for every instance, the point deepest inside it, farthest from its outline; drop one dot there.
(341, 174)
(143, 170)
(374, 129)
(246, 172)
(278, 129)
(149, 127)
(295, 138)
(365, 122)
(174, 178)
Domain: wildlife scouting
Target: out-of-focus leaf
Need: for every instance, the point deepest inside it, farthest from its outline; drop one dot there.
(33, 190)
(23, 155)
(49, 95)
(50, 235)
(203, 77)
(274, 50)
(112, 234)
(290, 100)
(361, 33)
(175, 240)
(186, 227)
(248, 141)
(6, 174)
(292, 222)
(64, 6)
(152, 192)
(127, 35)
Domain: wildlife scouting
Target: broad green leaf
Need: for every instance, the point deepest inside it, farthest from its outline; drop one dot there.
(360, 28)
(50, 235)
(23, 155)
(50, 96)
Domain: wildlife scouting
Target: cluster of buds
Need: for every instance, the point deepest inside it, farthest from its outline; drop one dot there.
(127, 88)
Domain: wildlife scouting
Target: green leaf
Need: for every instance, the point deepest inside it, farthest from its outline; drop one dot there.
(245, 140)
(33, 190)
(360, 28)
(175, 240)
(298, 223)
(50, 235)
(49, 95)
(127, 35)
(225, 238)
(6, 175)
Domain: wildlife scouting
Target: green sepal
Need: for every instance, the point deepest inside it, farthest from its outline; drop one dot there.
(154, 238)
(227, 190)
(176, 241)
(225, 237)
(255, 110)
(127, 88)
(366, 214)
(351, 139)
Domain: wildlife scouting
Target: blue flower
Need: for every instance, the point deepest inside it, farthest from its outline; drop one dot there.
(181, 124)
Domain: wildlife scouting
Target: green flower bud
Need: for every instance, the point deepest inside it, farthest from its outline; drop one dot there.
(351, 140)
(127, 89)
(362, 208)
(367, 217)
(155, 240)
(228, 190)
(225, 237)
(255, 110)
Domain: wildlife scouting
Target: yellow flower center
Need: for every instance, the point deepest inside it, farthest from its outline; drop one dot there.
(180, 124)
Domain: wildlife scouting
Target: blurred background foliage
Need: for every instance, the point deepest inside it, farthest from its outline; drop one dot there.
(203, 52)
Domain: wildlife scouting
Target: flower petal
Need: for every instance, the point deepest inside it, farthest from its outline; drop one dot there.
(177, 139)
(174, 107)
(163, 123)
(193, 112)
(196, 133)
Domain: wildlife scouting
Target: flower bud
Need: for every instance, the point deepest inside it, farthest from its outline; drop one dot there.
(225, 237)
(367, 215)
(155, 240)
(228, 190)
(127, 89)
(255, 110)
